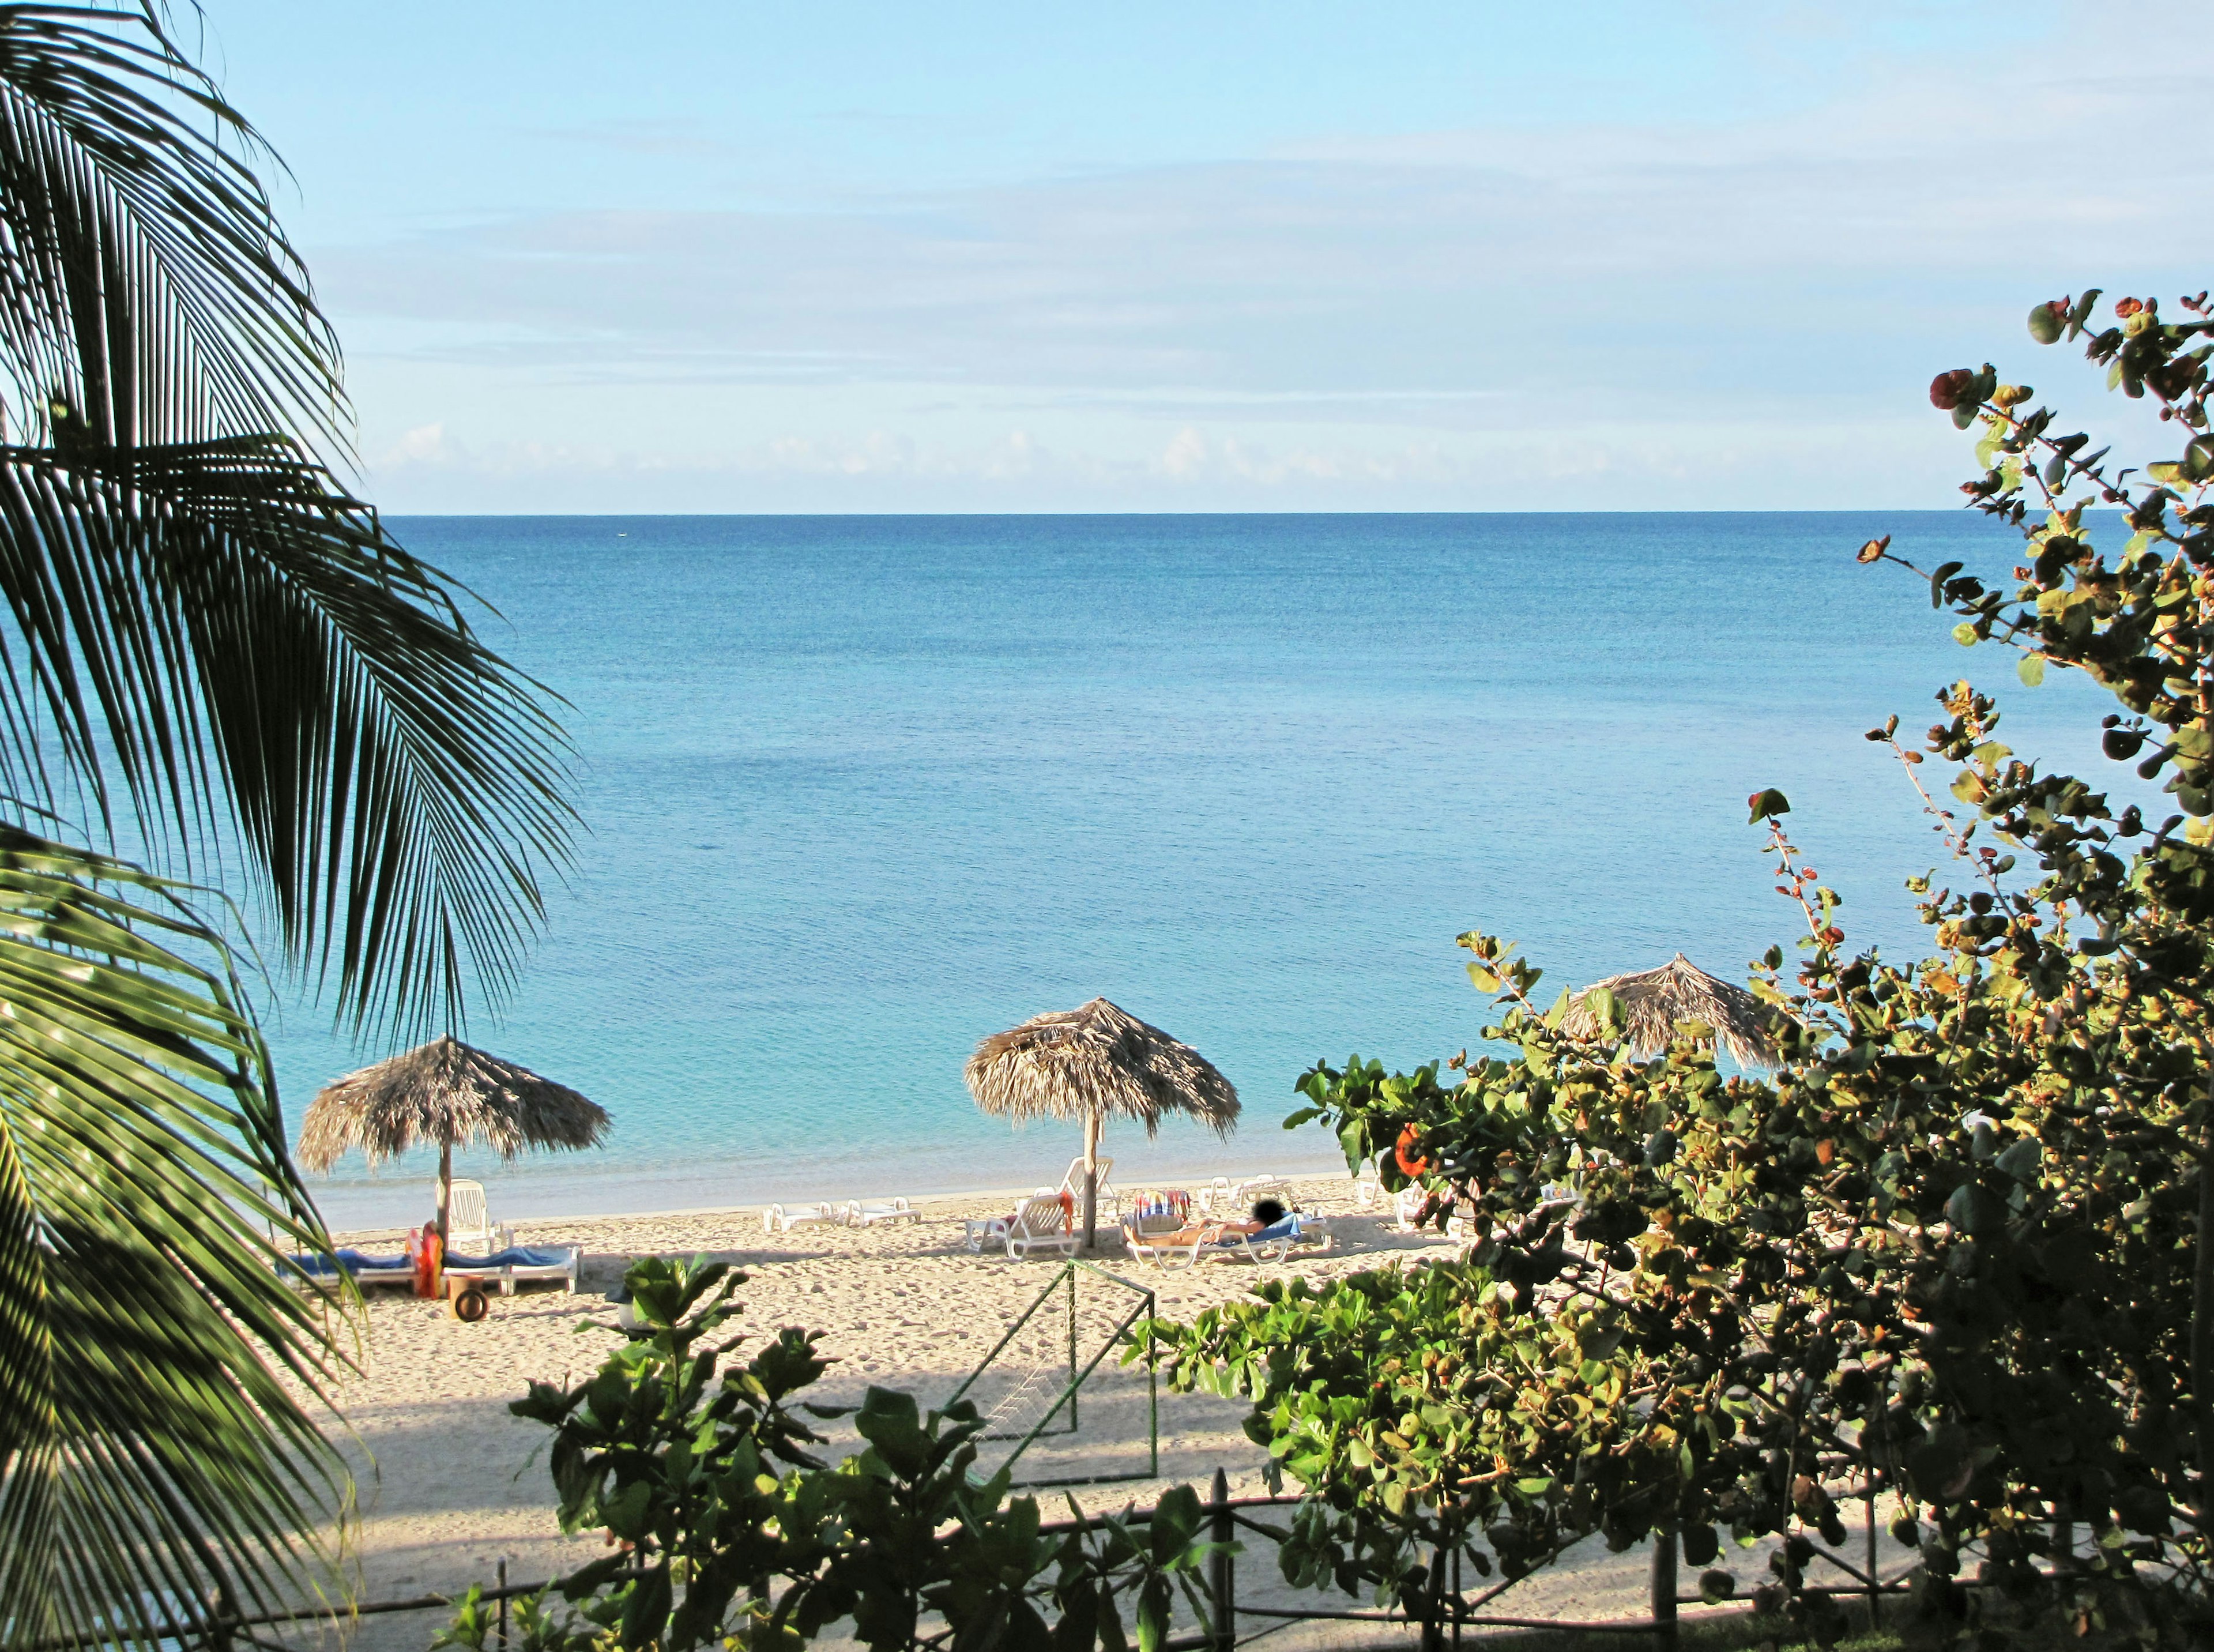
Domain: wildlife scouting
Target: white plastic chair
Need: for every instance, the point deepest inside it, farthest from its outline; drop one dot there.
(1038, 1225)
(1224, 1198)
(469, 1225)
(1407, 1205)
(857, 1215)
(777, 1220)
(1071, 1184)
(1367, 1187)
(1305, 1235)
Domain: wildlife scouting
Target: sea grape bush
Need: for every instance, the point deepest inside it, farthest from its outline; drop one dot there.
(723, 1528)
(1952, 1246)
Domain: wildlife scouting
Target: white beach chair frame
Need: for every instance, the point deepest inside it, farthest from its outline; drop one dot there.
(1367, 1187)
(778, 1219)
(1071, 1184)
(509, 1274)
(1407, 1205)
(857, 1215)
(468, 1222)
(1237, 1247)
(402, 1274)
(1037, 1226)
(1224, 1197)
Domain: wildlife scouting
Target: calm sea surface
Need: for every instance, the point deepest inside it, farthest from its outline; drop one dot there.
(861, 791)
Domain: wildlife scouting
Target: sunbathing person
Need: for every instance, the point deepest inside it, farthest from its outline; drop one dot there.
(1267, 1212)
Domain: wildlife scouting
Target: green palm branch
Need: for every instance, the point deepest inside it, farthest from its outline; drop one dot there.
(214, 658)
(213, 643)
(155, 1470)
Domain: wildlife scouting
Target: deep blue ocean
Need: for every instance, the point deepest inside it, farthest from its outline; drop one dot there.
(861, 791)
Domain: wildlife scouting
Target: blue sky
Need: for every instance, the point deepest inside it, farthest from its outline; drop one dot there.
(864, 257)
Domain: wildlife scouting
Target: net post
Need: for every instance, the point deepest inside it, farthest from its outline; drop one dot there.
(1664, 1592)
(1224, 1578)
(1152, 1394)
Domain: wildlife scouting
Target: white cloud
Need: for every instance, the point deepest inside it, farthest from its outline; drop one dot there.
(1715, 314)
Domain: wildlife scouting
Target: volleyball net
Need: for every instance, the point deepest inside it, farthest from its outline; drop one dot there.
(1058, 1403)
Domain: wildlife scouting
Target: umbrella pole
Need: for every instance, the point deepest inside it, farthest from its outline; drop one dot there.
(1090, 1181)
(445, 1188)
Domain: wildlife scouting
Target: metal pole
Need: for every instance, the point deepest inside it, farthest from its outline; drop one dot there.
(1664, 1591)
(1433, 1633)
(1458, 1606)
(1225, 1569)
(1869, 1476)
(503, 1603)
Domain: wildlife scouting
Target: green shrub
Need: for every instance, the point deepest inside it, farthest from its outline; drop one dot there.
(1953, 1241)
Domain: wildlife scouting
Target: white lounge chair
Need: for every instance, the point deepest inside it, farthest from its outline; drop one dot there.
(519, 1265)
(1367, 1187)
(1224, 1199)
(1111, 1196)
(1276, 1242)
(1043, 1224)
(777, 1220)
(1407, 1205)
(857, 1215)
(363, 1269)
(468, 1225)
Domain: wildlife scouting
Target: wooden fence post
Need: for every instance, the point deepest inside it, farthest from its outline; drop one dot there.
(1664, 1592)
(1224, 1567)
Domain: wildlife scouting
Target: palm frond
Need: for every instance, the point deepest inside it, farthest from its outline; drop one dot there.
(143, 278)
(152, 1459)
(222, 624)
(211, 638)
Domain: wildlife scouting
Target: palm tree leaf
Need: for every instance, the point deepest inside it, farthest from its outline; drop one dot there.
(212, 640)
(236, 635)
(149, 1449)
(144, 277)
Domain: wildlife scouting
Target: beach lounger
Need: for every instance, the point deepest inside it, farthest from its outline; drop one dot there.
(777, 1220)
(1367, 1188)
(982, 1231)
(1110, 1198)
(519, 1264)
(1224, 1198)
(468, 1224)
(361, 1268)
(1274, 1243)
(1043, 1224)
(1407, 1205)
(857, 1215)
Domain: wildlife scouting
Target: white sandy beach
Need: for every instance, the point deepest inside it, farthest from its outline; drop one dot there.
(450, 1483)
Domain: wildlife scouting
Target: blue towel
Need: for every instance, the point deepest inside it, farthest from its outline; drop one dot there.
(516, 1256)
(1288, 1228)
(345, 1261)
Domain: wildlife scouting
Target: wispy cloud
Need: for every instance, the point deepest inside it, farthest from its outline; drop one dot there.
(1424, 312)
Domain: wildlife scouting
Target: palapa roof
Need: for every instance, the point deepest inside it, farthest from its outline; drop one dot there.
(444, 1092)
(1652, 1002)
(1099, 1059)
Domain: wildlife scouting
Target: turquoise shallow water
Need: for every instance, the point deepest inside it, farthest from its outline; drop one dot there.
(863, 790)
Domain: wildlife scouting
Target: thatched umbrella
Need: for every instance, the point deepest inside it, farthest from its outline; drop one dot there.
(451, 1093)
(1653, 1002)
(1091, 1062)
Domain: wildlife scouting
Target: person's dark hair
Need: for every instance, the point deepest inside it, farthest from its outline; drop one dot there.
(1268, 1211)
